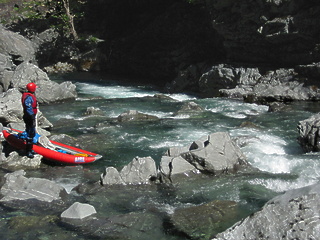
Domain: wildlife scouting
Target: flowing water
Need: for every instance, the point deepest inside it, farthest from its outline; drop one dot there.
(269, 144)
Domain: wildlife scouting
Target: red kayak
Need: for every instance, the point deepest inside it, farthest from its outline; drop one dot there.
(62, 153)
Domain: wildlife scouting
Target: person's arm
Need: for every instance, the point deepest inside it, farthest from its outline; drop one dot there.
(28, 102)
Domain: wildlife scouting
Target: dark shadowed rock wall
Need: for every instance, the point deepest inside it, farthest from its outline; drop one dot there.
(152, 38)
(275, 32)
(157, 39)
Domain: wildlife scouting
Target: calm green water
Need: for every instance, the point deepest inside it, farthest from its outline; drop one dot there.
(270, 146)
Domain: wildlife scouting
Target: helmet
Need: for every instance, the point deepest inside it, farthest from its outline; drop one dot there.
(31, 87)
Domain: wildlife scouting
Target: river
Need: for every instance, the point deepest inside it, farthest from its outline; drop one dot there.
(269, 144)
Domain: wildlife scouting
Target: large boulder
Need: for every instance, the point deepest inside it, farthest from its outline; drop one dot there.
(6, 73)
(15, 162)
(48, 91)
(309, 133)
(215, 153)
(10, 111)
(138, 171)
(254, 84)
(18, 68)
(16, 46)
(224, 77)
(17, 187)
(293, 215)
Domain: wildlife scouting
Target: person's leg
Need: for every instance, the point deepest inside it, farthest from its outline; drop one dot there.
(31, 131)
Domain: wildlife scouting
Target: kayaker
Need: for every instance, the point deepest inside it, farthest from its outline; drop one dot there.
(29, 103)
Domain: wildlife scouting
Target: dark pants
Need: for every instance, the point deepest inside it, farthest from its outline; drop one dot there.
(30, 123)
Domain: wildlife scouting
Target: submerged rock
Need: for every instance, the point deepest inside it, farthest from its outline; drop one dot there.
(135, 116)
(134, 225)
(92, 111)
(189, 108)
(204, 221)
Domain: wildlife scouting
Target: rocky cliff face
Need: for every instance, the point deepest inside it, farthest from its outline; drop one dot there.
(157, 39)
(160, 39)
(274, 32)
(152, 38)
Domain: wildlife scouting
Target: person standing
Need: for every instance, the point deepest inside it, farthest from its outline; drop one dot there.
(29, 103)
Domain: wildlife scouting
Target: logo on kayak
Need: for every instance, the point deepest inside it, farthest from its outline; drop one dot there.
(79, 159)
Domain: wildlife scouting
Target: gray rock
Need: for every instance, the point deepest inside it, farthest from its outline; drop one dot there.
(18, 187)
(48, 91)
(218, 77)
(219, 154)
(78, 211)
(293, 215)
(111, 176)
(27, 72)
(189, 108)
(309, 133)
(53, 92)
(10, 111)
(135, 116)
(210, 154)
(14, 162)
(176, 151)
(138, 171)
(92, 111)
(280, 85)
(42, 121)
(6, 72)
(177, 165)
(18, 47)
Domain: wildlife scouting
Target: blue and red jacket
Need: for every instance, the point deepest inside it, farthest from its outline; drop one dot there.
(29, 103)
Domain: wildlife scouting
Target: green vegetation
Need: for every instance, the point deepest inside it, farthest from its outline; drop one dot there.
(62, 12)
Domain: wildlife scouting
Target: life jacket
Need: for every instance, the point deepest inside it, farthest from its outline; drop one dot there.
(34, 104)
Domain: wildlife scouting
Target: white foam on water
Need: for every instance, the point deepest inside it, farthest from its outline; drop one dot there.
(267, 152)
(180, 116)
(181, 97)
(114, 91)
(166, 144)
(65, 116)
(235, 109)
(279, 185)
